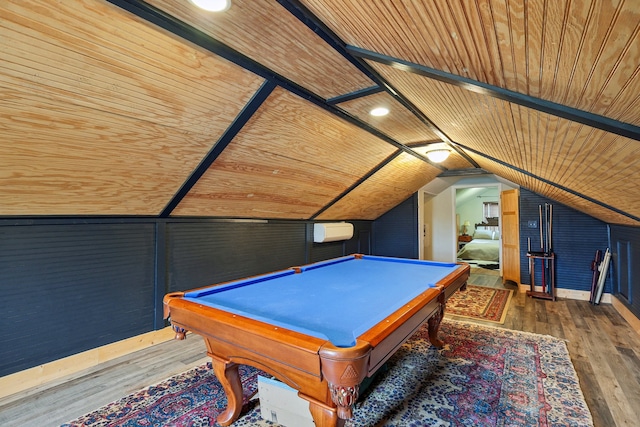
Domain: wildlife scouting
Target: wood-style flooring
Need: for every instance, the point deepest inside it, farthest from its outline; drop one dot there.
(604, 349)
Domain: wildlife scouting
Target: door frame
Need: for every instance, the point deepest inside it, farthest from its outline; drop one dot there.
(424, 192)
(499, 188)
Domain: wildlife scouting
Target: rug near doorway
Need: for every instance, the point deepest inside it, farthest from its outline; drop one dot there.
(484, 376)
(480, 303)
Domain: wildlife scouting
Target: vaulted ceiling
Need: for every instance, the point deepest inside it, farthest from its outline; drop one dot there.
(161, 109)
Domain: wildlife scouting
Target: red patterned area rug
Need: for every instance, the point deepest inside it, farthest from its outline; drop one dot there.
(480, 303)
(193, 398)
(484, 376)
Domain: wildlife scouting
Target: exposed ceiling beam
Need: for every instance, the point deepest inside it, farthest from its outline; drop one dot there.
(561, 187)
(357, 183)
(580, 116)
(355, 95)
(305, 16)
(247, 112)
(193, 35)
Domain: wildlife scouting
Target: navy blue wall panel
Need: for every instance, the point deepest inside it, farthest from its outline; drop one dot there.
(625, 248)
(576, 237)
(204, 253)
(72, 285)
(396, 232)
(328, 250)
(361, 241)
(70, 288)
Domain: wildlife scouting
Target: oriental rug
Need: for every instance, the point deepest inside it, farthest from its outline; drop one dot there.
(480, 303)
(483, 376)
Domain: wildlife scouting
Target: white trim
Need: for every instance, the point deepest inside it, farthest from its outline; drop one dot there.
(568, 293)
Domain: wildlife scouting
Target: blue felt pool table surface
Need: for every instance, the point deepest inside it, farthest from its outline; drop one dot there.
(337, 300)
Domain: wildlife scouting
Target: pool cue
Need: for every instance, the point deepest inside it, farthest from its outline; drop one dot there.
(548, 261)
(544, 285)
(529, 253)
(546, 227)
(530, 259)
(540, 212)
(550, 228)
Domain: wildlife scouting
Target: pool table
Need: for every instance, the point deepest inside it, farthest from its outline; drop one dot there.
(320, 328)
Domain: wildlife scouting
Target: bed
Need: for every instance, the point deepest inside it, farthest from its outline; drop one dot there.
(485, 245)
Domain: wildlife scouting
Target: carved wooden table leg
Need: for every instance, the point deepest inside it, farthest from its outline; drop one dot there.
(434, 324)
(344, 369)
(227, 374)
(323, 416)
(181, 333)
(345, 397)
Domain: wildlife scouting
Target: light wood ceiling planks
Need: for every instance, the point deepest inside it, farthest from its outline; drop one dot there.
(583, 54)
(386, 188)
(102, 114)
(579, 54)
(314, 158)
(400, 124)
(266, 32)
(106, 113)
(587, 160)
(552, 192)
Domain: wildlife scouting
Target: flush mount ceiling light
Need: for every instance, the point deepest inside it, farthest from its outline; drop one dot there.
(438, 155)
(213, 5)
(379, 111)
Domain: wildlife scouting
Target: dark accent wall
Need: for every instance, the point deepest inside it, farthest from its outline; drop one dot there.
(359, 244)
(625, 249)
(396, 232)
(70, 285)
(576, 237)
(204, 253)
(70, 288)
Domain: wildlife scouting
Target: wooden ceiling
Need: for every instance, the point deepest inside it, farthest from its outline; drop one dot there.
(158, 108)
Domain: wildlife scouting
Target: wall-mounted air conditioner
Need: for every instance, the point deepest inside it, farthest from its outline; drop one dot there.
(332, 231)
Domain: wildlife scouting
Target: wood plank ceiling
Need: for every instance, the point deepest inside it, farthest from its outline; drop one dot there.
(123, 107)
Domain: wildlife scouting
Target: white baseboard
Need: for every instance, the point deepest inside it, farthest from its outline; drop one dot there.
(568, 293)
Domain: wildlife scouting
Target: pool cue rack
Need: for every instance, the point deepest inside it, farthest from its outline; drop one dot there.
(545, 255)
(548, 260)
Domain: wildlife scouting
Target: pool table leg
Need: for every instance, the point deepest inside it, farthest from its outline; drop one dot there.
(323, 416)
(434, 323)
(227, 373)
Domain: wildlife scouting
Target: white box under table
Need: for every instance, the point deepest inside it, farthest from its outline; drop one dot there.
(281, 404)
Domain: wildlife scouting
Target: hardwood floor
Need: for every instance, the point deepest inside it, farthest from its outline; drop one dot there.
(604, 349)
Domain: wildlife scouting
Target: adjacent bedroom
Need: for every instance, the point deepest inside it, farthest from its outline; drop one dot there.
(477, 222)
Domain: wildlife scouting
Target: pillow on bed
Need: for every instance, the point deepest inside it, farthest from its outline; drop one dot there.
(481, 234)
(496, 235)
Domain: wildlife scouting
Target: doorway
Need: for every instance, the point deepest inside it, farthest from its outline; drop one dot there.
(478, 228)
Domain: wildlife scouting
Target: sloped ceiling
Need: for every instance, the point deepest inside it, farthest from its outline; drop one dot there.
(161, 109)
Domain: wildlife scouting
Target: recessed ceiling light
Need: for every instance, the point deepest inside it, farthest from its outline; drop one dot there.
(213, 5)
(379, 111)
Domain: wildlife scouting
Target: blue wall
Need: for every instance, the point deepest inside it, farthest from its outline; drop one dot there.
(396, 232)
(70, 285)
(576, 236)
(625, 245)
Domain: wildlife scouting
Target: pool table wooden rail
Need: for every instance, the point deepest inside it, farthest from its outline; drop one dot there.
(328, 377)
